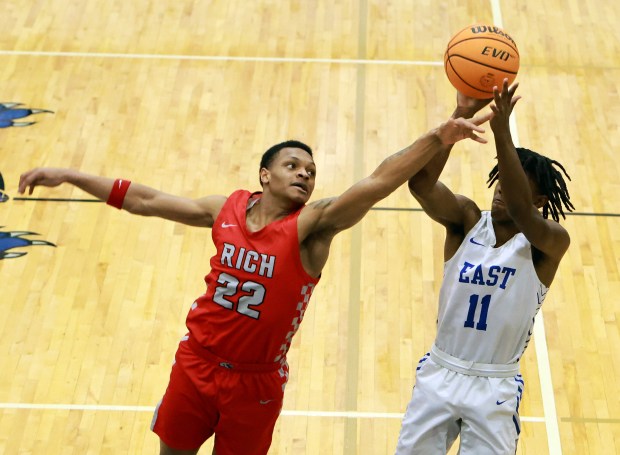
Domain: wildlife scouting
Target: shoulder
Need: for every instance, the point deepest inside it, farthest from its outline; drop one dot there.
(560, 237)
(236, 197)
(210, 207)
(456, 232)
(312, 212)
(470, 215)
(320, 204)
(547, 262)
(310, 215)
(241, 194)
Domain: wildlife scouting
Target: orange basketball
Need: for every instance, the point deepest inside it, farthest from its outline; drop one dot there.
(480, 57)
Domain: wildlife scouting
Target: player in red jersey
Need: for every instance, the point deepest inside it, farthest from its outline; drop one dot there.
(230, 369)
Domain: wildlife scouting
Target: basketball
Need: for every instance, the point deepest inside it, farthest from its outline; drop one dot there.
(480, 57)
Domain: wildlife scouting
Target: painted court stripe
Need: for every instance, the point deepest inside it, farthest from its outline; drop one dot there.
(386, 209)
(76, 407)
(590, 420)
(546, 385)
(55, 199)
(353, 317)
(118, 408)
(375, 209)
(418, 209)
(540, 337)
(222, 58)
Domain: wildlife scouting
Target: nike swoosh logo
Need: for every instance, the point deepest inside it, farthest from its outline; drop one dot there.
(476, 243)
(265, 401)
(225, 225)
(500, 402)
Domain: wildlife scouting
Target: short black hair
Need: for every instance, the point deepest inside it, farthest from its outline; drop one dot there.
(273, 151)
(550, 181)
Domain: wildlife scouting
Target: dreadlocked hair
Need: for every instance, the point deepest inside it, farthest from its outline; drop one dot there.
(550, 181)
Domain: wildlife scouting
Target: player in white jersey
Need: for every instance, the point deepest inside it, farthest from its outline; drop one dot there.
(498, 268)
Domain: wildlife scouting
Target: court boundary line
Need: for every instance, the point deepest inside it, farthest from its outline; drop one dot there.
(418, 209)
(546, 385)
(386, 209)
(554, 442)
(353, 315)
(288, 413)
(221, 58)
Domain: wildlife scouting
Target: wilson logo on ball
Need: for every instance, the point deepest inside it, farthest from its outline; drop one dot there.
(480, 57)
(491, 29)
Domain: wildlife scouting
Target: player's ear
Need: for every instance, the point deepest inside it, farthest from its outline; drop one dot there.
(540, 200)
(264, 175)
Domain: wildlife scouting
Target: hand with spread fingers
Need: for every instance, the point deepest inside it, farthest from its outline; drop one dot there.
(456, 129)
(504, 101)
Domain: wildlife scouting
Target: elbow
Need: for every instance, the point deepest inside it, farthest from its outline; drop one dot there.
(414, 185)
(136, 207)
(418, 185)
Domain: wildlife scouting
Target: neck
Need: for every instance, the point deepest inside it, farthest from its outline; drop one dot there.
(504, 231)
(266, 209)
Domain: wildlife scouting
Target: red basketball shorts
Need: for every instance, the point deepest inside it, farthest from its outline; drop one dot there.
(207, 396)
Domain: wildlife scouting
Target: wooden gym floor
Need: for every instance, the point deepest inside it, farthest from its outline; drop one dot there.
(185, 96)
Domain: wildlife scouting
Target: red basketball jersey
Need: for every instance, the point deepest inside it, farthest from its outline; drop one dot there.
(257, 289)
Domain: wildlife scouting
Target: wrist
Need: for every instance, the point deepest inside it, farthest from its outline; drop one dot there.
(502, 133)
(71, 176)
(441, 134)
(464, 112)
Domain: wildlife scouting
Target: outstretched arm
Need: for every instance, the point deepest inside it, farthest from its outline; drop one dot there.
(547, 236)
(334, 215)
(437, 200)
(139, 199)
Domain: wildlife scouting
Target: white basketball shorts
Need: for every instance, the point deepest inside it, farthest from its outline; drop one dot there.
(445, 403)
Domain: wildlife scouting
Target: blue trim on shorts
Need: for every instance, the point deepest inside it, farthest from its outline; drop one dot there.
(514, 420)
(521, 384)
(422, 360)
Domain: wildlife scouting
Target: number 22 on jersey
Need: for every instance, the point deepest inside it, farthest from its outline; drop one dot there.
(230, 287)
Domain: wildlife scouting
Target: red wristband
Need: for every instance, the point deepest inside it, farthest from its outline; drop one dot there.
(117, 195)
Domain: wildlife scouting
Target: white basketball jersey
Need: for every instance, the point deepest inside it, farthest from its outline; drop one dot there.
(489, 298)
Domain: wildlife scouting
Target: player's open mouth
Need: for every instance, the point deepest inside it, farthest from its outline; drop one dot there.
(301, 186)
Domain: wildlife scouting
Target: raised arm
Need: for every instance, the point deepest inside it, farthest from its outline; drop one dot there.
(545, 235)
(334, 215)
(437, 200)
(139, 199)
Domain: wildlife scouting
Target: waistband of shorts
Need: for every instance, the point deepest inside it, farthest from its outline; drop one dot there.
(234, 366)
(493, 370)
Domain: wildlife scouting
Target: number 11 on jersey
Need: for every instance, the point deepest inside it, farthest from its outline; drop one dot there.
(473, 304)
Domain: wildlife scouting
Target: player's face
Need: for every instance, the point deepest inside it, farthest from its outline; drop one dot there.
(291, 174)
(498, 207)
